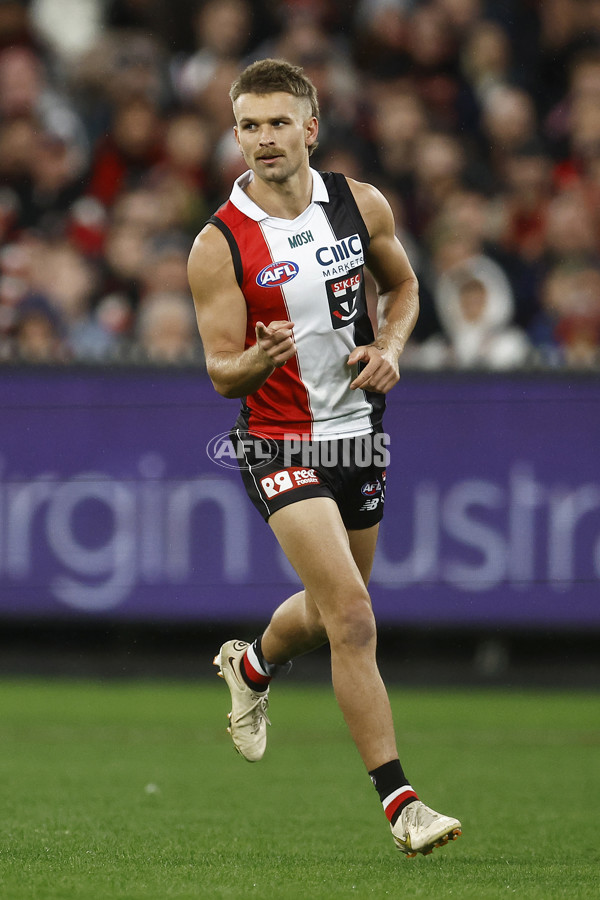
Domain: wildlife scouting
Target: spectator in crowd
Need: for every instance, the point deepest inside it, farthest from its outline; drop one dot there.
(222, 29)
(67, 281)
(398, 122)
(564, 29)
(438, 173)
(523, 205)
(433, 63)
(119, 67)
(185, 166)
(166, 329)
(18, 138)
(16, 262)
(26, 92)
(567, 329)
(486, 63)
(38, 334)
(131, 148)
(16, 27)
(509, 121)
(53, 182)
(461, 15)
(572, 233)
(480, 120)
(475, 306)
(48, 18)
(122, 263)
(379, 37)
(165, 264)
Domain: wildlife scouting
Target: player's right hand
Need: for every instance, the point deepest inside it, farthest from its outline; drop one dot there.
(276, 341)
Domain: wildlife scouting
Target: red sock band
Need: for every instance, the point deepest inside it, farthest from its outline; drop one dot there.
(254, 676)
(397, 799)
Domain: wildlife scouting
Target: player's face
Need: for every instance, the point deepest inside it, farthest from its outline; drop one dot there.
(274, 132)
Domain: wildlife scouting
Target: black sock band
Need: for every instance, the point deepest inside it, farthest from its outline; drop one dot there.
(389, 779)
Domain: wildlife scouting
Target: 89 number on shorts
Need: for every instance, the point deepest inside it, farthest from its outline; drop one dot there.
(287, 480)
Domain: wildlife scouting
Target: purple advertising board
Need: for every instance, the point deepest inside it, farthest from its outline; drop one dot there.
(111, 509)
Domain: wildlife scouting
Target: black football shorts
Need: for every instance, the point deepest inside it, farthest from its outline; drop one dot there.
(351, 471)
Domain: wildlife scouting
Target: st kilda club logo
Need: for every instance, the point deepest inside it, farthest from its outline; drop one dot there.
(344, 295)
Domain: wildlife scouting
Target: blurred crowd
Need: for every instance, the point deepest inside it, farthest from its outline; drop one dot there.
(478, 119)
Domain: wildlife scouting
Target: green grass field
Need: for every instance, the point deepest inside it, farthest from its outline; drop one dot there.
(132, 791)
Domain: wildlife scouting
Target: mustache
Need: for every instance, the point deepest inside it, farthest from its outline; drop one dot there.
(269, 154)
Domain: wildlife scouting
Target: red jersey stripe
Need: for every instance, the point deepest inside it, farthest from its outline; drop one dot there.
(281, 406)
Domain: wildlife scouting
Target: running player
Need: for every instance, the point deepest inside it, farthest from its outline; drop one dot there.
(277, 277)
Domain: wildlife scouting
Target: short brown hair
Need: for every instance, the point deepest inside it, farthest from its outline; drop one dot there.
(270, 76)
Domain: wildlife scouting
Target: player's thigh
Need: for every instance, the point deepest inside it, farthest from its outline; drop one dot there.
(362, 547)
(314, 539)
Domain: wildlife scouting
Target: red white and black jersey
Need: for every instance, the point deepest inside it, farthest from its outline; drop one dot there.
(307, 270)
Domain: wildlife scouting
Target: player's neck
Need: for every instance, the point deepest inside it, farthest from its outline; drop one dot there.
(285, 200)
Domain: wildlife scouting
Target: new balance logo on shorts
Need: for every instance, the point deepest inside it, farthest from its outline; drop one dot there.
(287, 480)
(374, 492)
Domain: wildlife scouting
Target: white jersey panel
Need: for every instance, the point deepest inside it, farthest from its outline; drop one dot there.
(326, 286)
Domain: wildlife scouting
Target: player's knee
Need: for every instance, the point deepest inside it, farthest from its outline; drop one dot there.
(354, 626)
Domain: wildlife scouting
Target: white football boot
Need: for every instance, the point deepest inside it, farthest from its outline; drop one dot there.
(420, 829)
(248, 718)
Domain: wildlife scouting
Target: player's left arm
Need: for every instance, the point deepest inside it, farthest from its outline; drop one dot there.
(397, 291)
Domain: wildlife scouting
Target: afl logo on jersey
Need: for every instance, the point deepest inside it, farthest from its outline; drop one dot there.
(276, 274)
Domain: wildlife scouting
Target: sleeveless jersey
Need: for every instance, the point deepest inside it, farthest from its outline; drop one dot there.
(307, 270)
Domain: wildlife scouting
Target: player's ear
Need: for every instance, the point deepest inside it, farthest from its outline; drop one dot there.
(312, 131)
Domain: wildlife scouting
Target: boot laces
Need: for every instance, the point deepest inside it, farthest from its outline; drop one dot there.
(256, 712)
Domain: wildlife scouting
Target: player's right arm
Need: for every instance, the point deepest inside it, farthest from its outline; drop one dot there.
(221, 313)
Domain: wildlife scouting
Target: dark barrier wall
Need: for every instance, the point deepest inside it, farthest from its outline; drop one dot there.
(111, 509)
